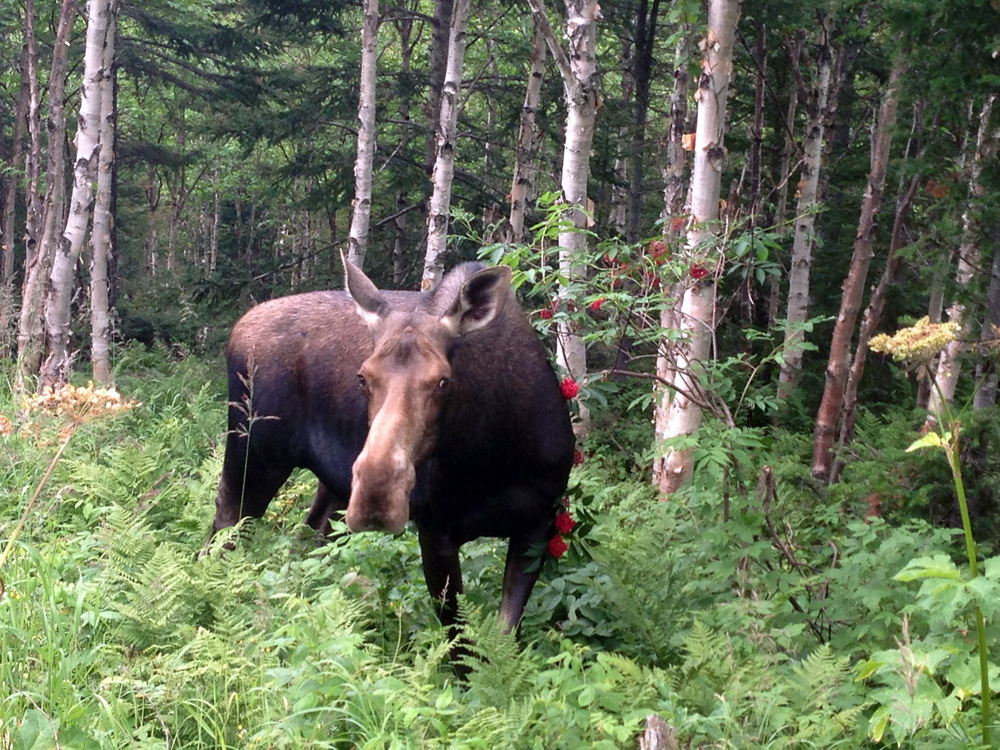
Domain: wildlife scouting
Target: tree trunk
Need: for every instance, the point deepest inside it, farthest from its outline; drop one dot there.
(580, 81)
(527, 141)
(31, 338)
(676, 162)
(949, 366)
(645, 41)
(362, 203)
(785, 175)
(100, 236)
(54, 213)
(757, 130)
(935, 312)
(150, 243)
(698, 303)
(213, 240)
(404, 25)
(9, 204)
(444, 165)
(854, 285)
(673, 205)
(63, 280)
(618, 216)
(805, 222)
(986, 372)
(436, 70)
(869, 323)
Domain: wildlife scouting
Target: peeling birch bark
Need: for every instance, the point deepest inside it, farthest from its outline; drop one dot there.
(63, 279)
(100, 235)
(949, 366)
(444, 165)
(697, 318)
(805, 221)
(521, 190)
(362, 204)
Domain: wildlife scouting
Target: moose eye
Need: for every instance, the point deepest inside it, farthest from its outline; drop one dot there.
(443, 384)
(362, 383)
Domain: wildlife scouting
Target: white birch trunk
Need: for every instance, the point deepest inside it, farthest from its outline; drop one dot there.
(805, 222)
(31, 337)
(213, 246)
(523, 182)
(580, 81)
(697, 308)
(444, 164)
(100, 235)
(673, 205)
(986, 395)
(949, 367)
(57, 309)
(362, 203)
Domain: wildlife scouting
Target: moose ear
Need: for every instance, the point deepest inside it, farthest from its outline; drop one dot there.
(363, 291)
(479, 301)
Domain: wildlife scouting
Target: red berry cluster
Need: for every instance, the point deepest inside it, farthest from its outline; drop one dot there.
(569, 388)
(659, 251)
(564, 525)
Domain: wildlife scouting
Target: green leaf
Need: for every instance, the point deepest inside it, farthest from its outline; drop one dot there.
(34, 732)
(586, 696)
(878, 723)
(939, 566)
(444, 700)
(930, 440)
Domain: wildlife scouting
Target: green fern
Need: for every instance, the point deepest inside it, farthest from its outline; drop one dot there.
(502, 672)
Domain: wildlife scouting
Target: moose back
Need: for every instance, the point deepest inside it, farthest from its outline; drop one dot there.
(439, 406)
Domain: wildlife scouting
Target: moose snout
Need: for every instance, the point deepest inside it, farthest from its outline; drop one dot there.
(380, 494)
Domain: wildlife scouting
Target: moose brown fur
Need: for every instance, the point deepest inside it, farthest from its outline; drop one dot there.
(440, 407)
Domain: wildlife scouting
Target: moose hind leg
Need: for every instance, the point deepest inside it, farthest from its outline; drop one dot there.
(245, 488)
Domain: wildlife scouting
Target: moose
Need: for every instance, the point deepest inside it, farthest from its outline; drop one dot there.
(439, 406)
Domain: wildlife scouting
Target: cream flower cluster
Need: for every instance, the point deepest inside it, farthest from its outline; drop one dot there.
(77, 403)
(921, 341)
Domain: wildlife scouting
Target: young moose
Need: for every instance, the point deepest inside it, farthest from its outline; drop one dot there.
(439, 406)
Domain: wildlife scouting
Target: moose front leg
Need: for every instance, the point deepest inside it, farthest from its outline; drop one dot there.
(443, 574)
(519, 577)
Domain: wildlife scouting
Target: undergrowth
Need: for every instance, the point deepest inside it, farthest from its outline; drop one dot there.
(742, 621)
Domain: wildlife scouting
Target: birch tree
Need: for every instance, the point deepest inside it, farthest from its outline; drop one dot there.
(948, 365)
(362, 203)
(854, 285)
(985, 396)
(673, 202)
(100, 235)
(784, 176)
(578, 68)
(36, 274)
(444, 164)
(805, 221)
(696, 314)
(63, 278)
(527, 139)
(30, 339)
